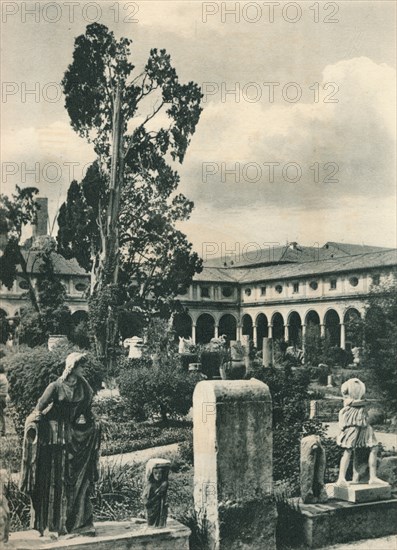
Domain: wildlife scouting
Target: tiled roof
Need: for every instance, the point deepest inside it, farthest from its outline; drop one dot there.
(62, 266)
(314, 268)
(292, 252)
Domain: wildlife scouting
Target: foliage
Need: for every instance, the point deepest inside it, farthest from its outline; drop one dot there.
(380, 329)
(15, 214)
(160, 388)
(29, 372)
(129, 436)
(19, 505)
(289, 391)
(119, 222)
(51, 316)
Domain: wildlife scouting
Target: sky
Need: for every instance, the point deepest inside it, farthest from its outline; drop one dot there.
(296, 141)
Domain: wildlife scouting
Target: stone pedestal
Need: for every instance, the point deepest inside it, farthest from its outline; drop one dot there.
(267, 352)
(359, 492)
(233, 477)
(120, 535)
(323, 525)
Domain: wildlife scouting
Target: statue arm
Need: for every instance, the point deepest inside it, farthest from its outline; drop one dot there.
(47, 397)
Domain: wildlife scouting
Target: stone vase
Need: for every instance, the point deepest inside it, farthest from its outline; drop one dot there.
(210, 363)
(233, 370)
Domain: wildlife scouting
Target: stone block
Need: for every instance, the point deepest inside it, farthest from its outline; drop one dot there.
(337, 522)
(120, 535)
(361, 492)
(233, 472)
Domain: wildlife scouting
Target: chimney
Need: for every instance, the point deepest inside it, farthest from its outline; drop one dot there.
(40, 227)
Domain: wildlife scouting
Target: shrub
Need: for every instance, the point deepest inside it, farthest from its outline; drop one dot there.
(31, 370)
(162, 389)
(289, 390)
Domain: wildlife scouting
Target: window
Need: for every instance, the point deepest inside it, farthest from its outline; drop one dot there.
(227, 291)
(296, 287)
(375, 279)
(80, 287)
(263, 291)
(314, 285)
(248, 292)
(205, 292)
(278, 289)
(332, 284)
(353, 281)
(23, 285)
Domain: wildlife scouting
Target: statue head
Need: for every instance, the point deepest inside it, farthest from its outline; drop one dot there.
(353, 388)
(73, 360)
(157, 469)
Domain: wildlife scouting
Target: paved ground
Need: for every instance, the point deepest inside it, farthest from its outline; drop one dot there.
(389, 441)
(384, 543)
(139, 456)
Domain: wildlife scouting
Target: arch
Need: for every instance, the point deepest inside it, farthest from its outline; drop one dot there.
(4, 326)
(183, 325)
(278, 326)
(247, 326)
(295, 329)
(262, 329)
(353, 327)
(205, 328)
(228, 326)
(332, 327)
(79, 316)
(312, 318)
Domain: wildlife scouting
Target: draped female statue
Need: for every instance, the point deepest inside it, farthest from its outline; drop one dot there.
(61, 454)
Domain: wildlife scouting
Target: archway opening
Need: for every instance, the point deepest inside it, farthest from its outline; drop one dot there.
(353, 328)
(278, 326)
(247, 326)
(262, 329)
(332, 327)
(295, 330)
(183, 325)
(4, 326)
(205, 328)
(228, 326)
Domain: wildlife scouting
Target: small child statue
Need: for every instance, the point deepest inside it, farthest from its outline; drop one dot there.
(355, 432)
(155, 491)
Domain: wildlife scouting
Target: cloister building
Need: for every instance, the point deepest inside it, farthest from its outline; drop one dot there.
(283, 294)
(277, 293)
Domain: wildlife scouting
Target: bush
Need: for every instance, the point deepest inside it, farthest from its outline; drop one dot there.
(31, 370)
(127, 436)
(289, 390)
(162, 389)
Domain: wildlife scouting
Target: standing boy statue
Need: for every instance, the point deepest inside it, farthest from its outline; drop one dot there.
(356, 433)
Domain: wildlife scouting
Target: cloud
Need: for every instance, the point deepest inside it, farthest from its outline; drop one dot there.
(353, 139)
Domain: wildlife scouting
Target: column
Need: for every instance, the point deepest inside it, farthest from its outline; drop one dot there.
(270, 331)
(303, 336)
(286, 333)
(216, 333)
(322, 330)
(255, 335)
(238, 332)
(194, 333)
(233, 463)
(342, 335)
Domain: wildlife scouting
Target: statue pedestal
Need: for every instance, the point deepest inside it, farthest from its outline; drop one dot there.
(123, 535)
(335, 522)
(359, 492)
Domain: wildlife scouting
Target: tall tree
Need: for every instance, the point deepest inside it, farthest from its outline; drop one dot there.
(16, 212)
(128, 198)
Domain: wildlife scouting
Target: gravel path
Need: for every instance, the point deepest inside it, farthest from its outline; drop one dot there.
(384, 543)
(389, 441)
(139, 456)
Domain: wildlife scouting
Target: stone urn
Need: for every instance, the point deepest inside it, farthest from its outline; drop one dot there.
(188, 358)
(233, 370)
(211, 362)
(56, 340)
